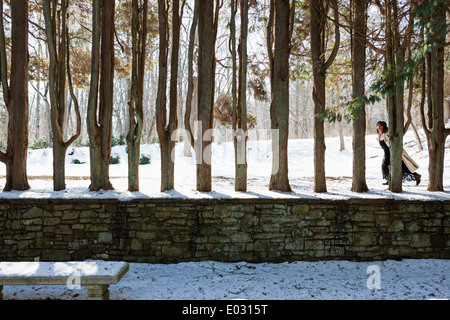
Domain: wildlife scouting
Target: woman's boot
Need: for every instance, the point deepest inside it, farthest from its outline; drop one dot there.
(417, 178)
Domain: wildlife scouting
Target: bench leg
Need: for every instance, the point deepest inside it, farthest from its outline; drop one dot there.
(1, 292)
(98, 292)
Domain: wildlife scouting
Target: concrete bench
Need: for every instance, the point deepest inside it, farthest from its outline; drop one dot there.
(96, 276)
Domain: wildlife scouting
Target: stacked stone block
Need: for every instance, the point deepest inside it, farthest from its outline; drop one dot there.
(230, 230)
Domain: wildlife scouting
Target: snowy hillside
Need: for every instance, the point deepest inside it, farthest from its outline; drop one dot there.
(338, 169)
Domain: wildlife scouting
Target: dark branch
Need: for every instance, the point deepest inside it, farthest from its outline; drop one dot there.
(337, 40)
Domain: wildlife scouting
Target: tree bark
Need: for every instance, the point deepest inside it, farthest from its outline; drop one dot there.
(239, 113)
(279, 108)
(167, 127)
(15, 95)
(234, 79)
(359, 31)
(161, 98)
(206, 84)
(38, 98)
(395, 58)
(58, 48)
(101, 99)
(191, 82)
(320, 66)
(437, 133)
(135, 105)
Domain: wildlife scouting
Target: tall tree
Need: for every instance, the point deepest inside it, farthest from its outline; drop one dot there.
(207, 31)
(359, 36)
(100, 105)
(55, 14)
(397, 70)
(136, 104)
(15, 95)
(279, 18)
(167, 126)
(191, 80)
(395, 58)
(432, 14)
(239, 113)
(161, 97)
(318, 26)
(234, 90)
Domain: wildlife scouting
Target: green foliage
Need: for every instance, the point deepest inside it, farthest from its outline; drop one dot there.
(114, 159)
(118, 141)
(2, 146)
(401, 74)
(332, 115)
(76, 161)
(433, 38)
(433, 29)
(145, 159)
(301, 72)
(40, 144)
(353, 106)
(426, 8)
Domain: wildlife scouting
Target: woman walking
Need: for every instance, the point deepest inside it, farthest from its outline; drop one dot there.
(409, 166)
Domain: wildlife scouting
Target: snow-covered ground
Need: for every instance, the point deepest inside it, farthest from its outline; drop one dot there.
(301, 168)
(328, 280)
(408, 279)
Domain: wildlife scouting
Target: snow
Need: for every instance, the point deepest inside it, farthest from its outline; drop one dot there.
(407, 279)
(326, 280)
(301, 168)
(60, 269)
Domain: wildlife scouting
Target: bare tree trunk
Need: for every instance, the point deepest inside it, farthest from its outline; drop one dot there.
(136, 108)
(161, 99)
(410, 81)
(234, 79)
(56, 30)
(279, 109)
(15, 95)
(191, 80)
(206, 84)
(437, 133)
(125, 125)
(239, 113)
(358, 78)
(395, 59)
(447, 81)
(166, 127)
(320, 66)
(38, 100)
(101, 101)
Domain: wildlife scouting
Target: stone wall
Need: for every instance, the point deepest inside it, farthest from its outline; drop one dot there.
(230, 230)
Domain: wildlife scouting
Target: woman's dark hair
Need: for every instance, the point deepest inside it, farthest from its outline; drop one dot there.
(384, 124)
